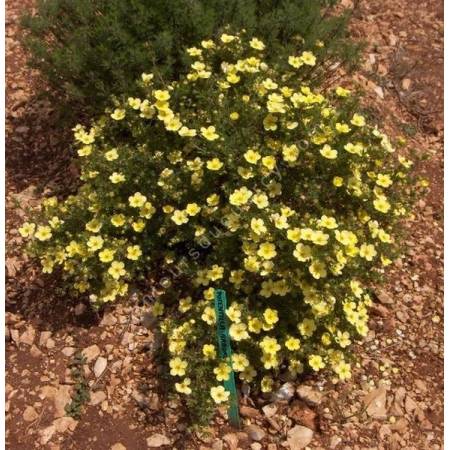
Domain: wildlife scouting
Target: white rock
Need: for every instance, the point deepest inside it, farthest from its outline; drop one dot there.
(157, 440)
(90, 353)
(47, 433)
(100, 366)
(65, 423)
(62, 397)
(44, 337)
(299, 437)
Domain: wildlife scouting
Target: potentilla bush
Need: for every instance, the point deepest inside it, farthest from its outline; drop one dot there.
(87, 50)
(238, 176)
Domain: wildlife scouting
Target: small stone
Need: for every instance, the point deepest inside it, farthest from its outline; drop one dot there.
(157, 440)
(310, 395)
(79, 309)
(28, 336)
(47, 434)
(232, 440)
(285, 393)
(61, 398)
(100, 366)
(401, 425)
(90, 353)
(68, 351)
(335, 441)
(217, 445)
(30, 414)
(65, 423)
(50, 344)
(255, 432)
(118, 446)
(248, 411)
(35, 352)
(270, 409)
(384, 297)
(256, 446)
(375, 402)
(44, 337)
(299, 437)
(406, 84)
(97, 397)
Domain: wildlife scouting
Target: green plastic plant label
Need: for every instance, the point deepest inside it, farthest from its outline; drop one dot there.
(225, 352)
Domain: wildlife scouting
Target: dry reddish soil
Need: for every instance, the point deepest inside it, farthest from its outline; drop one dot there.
(395, 398)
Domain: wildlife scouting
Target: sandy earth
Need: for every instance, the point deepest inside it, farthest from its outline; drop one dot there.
(395, 398)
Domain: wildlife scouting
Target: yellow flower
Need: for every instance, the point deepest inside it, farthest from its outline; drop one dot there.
(327, 152)
(43, 233)
(356, 149)
(234, 115)
(267, 250)
(183, 387)
(117, 177)
(180, 217)
(257, 44)
(240, 362)
(307, 327)
(358, 120)
(94, 226)
(367, 251)
(381, 204)
(161, 96)
(138, 226)
(86, 150)
(27, 229)
(316, 362)
(308, 58)
(342, 92)
(328, 222)
(302, 252)
(222, 372)
(338, 181)
(118, 114)
(251, 156)
(137, 200)
(292, 343)
(177, 367)
(295, 61)
(215, 273)
(194, 51)
(267, 384)
(342, 369)
(214, 164)
(135, 103)
(111, 155)
(258, 226)
(118, 220)
(219, 394)
(209, 133)
(318, 270)
(238, 332)
(240, 196)
(95, 243)
(290, 153)
(270, 345)
(209, 315)
(147, 77)
(233, 78)
(227, 38)
(117, 269)
(342, 128)
(192, 209)
(270, 316)
(106, 255)
(187, 132)
(209, 351)
(261, 200)
(134, 252)
(383, 180)
(269, 162)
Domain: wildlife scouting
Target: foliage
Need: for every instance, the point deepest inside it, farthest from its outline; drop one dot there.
(81, 389)
(88, 50)
(238, 176)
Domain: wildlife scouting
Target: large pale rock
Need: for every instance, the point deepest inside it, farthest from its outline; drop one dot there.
(309, 395)
(30, 414)
(100, 366)
(375, 402)
(299, 437)
(62, 397)
(90, 353)
(158, 440)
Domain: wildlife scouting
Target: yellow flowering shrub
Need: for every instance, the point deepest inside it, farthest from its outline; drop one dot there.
(238, 176)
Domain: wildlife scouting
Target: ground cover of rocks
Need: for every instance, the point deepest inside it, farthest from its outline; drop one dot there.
(59, 350)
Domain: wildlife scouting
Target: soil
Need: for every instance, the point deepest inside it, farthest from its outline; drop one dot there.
(395, 397)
